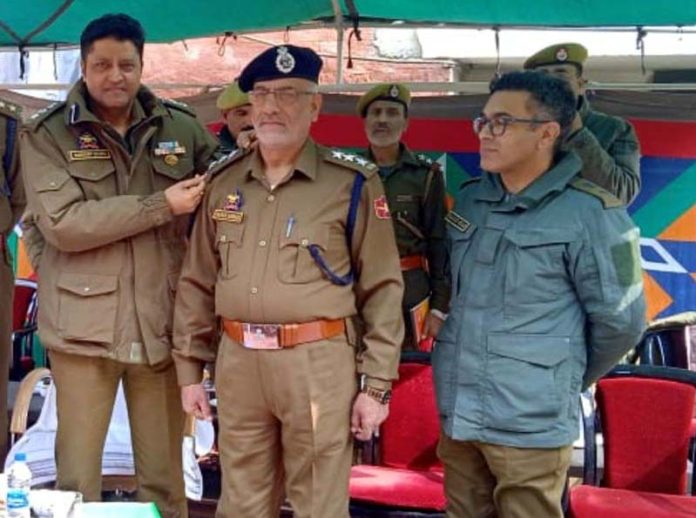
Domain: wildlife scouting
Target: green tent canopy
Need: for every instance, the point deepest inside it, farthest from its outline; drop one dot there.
(50, 22)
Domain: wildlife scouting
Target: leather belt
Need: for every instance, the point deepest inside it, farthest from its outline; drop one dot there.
(414, 262)
(280, 336)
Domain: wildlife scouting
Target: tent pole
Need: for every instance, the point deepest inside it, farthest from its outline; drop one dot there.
(338, 15)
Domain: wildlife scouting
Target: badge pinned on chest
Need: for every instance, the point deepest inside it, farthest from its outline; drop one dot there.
(382, 208)
(88, 148)
(457, 221)
(230, 212)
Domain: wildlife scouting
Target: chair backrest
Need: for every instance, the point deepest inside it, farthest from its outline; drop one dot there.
(409, 436)
(24, 300)
(645, 423)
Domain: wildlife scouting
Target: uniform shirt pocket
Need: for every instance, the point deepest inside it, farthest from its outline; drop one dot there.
(97, 178)
(168, 174)
(295, 263)
(458, 244)
(87, 307)
(528, 381)
(228, 238)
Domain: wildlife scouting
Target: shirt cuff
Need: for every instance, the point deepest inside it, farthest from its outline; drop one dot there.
(158, 209)
(188, 371)
(439, 314)
(377, 383)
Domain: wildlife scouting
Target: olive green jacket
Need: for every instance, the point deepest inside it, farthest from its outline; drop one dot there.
(547, 297)
(609, 150)
(113, 250)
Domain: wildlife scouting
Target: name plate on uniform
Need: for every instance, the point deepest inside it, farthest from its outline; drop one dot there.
(89, 154)
(228, 216)
(457, 221)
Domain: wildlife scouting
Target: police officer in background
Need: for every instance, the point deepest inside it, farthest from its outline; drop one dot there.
(11, 206)
(235, 108)
(415, 190)
(607, 145)
(548, 296)
(112, 179)
(292, 245)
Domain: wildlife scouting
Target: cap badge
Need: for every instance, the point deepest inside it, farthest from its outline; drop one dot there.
(285, 62)
(394, 91)
(562, 54)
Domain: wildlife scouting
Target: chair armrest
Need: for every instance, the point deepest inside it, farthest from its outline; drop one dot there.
(20, 412)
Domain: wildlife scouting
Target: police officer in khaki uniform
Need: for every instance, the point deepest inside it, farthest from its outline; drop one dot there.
(235, 108)
(292, 245)
(607, 145)
(11, 206)
(111, 183)
(415, 190)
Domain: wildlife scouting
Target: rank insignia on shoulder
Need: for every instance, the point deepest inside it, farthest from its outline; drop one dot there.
(457, 221)
(382, 208)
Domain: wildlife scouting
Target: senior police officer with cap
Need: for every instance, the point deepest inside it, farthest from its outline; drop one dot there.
(548, 296)
(235, 107)
(607, 145)
(12, 204)
(112, 179)
(293, 244)
(415, 190)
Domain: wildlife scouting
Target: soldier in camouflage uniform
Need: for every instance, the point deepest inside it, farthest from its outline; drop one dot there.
(415, 190)
(11, 206)
(607, 145)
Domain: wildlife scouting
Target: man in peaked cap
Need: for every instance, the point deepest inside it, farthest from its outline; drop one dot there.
(236, 110)
(292, 248)
(607, 145)
(415, 190)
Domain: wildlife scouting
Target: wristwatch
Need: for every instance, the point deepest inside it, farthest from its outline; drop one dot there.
(382, 396)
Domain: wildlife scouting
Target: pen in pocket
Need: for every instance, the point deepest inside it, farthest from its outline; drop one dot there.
(291, 223)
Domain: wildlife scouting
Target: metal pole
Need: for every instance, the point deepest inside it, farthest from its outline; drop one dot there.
(338, 15)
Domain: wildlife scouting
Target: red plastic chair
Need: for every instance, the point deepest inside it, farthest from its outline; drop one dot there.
(645, 414)
(407, 477)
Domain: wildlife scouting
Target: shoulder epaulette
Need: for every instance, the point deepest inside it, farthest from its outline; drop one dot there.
(221, 163)
(350, 161)
(468, 181)
(608, 199)
(178, 105)
(40, 116)
(427, 161)
(11, 110)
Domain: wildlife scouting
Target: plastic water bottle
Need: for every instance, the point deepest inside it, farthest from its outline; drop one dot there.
(18, 485)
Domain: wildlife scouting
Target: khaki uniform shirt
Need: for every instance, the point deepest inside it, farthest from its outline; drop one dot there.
(12, 200)
(609, 150)
(415, 189)
(259, 270)
(113, 249)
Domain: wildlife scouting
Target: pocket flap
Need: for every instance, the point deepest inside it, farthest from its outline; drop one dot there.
(541, 236)
(303, 237)
(543, 350)
(51, 182)
(88, 285)
(92, 170)
(178, 171)
(229, 232)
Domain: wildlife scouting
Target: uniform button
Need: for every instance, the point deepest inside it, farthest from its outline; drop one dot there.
(305, 242)
(52, 184)
(86, 289)
(270, 197)
(262, 243)
(254, 290)
(223, 238)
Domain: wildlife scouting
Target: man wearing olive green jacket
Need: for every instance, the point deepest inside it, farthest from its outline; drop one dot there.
(112, 179)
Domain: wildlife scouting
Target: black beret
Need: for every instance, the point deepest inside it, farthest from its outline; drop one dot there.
(281, 62)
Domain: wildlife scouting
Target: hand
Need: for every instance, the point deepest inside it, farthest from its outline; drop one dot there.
(367, 415)
(183, 197)
(432, 325)
(247, 139)
(194, 400)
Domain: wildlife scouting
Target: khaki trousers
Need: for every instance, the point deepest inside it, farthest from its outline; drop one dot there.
(6, 293)
(487, 480)
(284, 423)
(86, 390)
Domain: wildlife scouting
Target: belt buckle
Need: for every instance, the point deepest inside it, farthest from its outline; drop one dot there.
(262, 336)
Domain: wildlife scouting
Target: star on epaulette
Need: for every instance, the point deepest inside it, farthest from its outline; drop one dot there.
(423, 158)
(10, 108)
(338, 155)
(352, 161)
(179, 106)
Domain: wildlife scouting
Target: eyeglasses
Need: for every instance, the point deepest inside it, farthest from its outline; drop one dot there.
(498, 125)
(284, 95)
